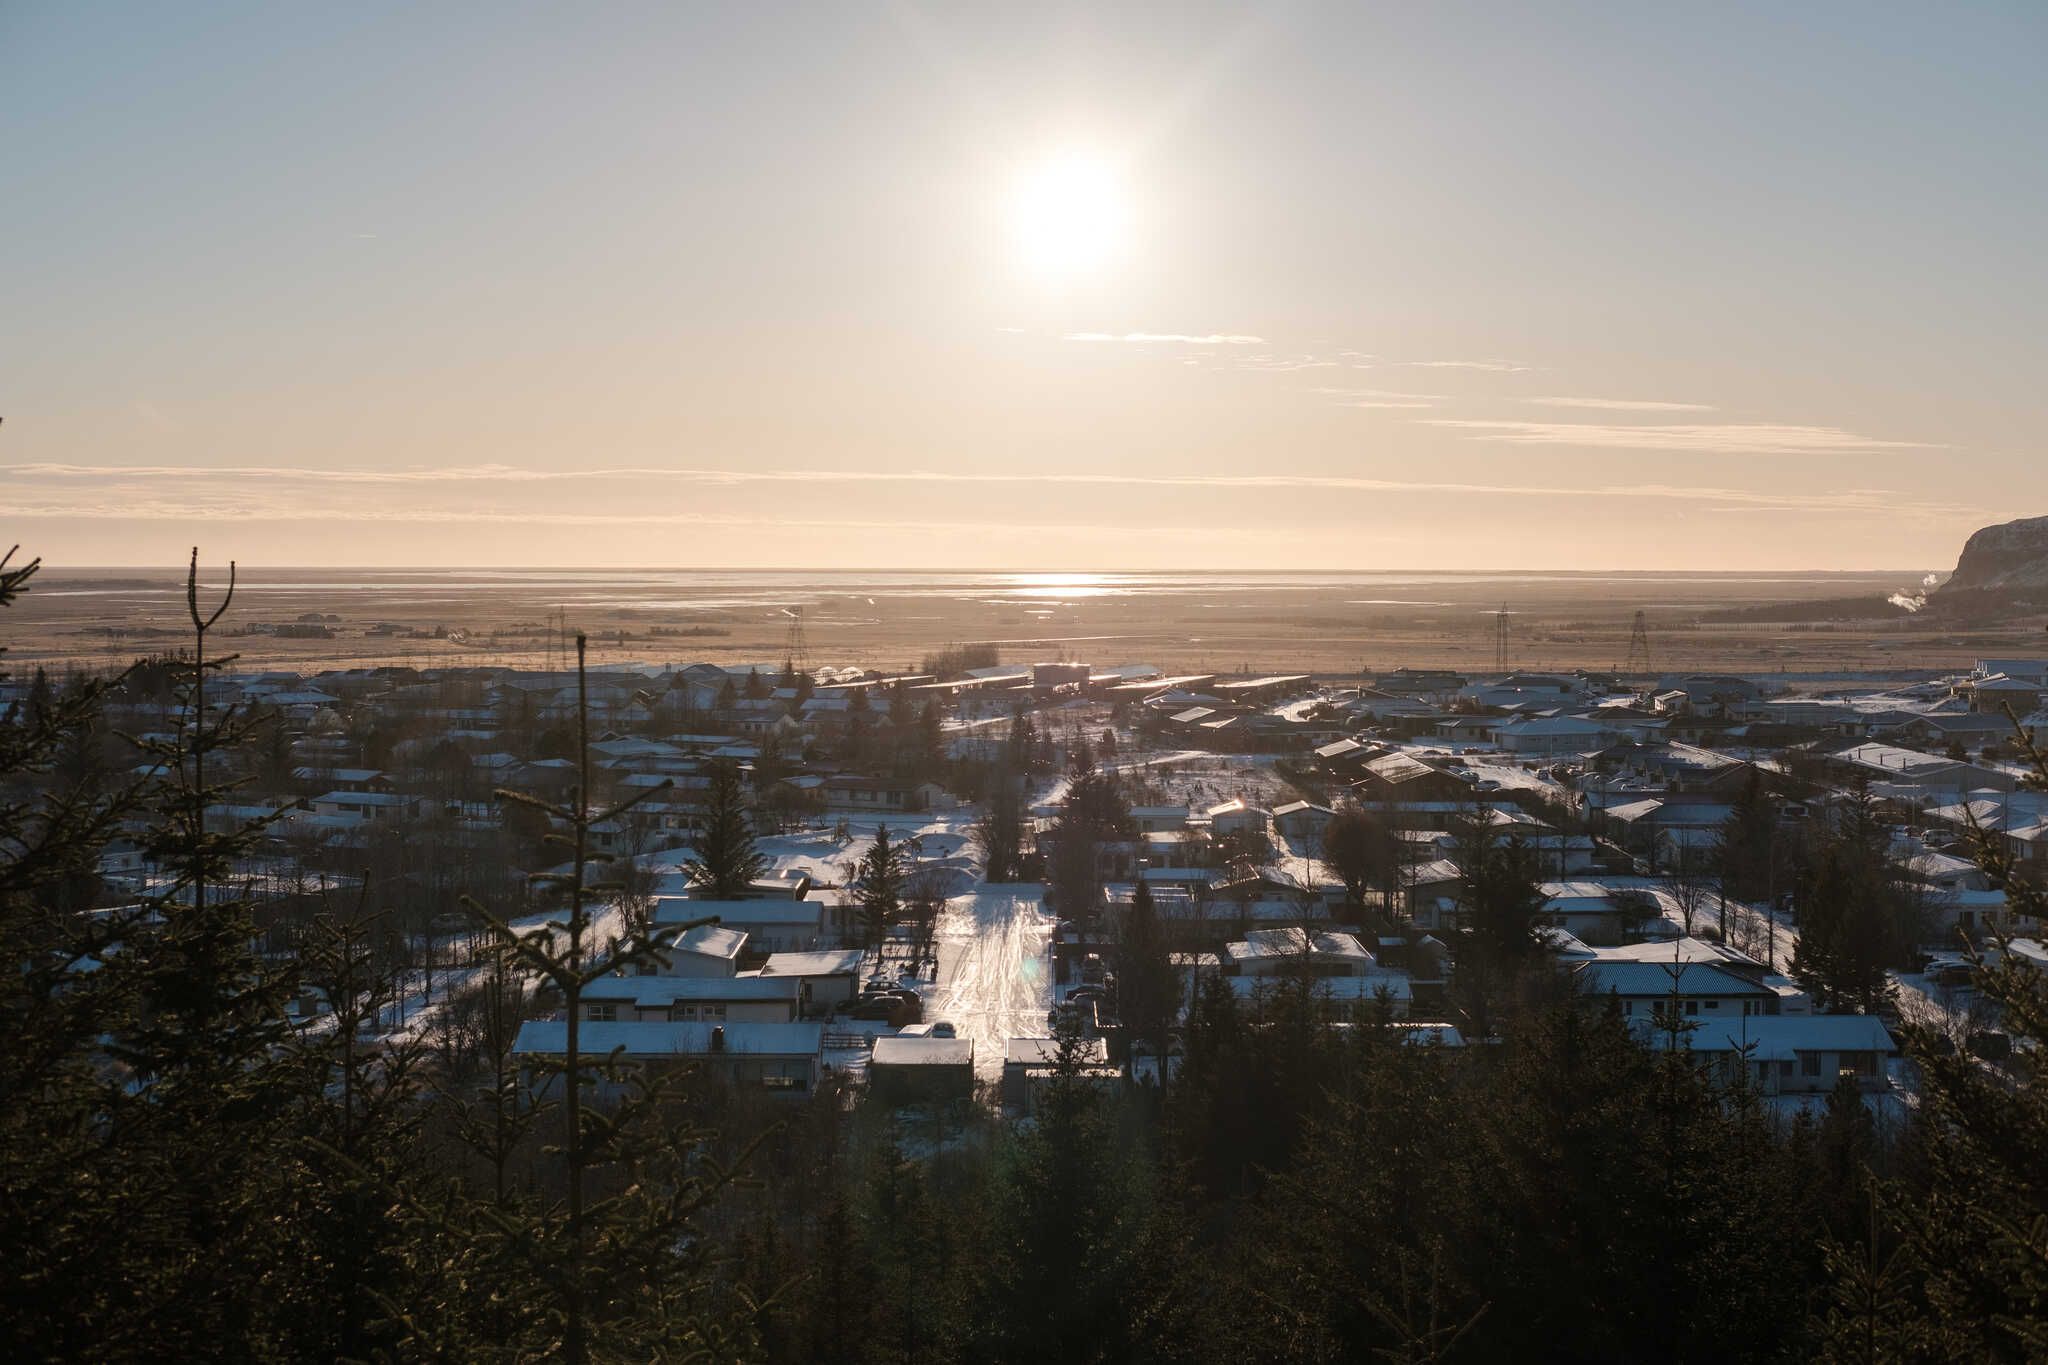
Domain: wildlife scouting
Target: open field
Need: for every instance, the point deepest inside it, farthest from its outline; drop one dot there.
(1332, 624)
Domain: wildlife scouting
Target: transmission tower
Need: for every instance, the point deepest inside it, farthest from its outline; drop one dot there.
(1638, 647)
(795, 648)
(1500, 639)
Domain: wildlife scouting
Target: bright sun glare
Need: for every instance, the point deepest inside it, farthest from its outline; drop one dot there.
(1067, 215)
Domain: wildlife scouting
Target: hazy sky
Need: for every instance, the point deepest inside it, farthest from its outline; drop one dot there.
(1298, 285)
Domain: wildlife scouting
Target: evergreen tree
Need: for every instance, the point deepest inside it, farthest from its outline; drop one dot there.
(1068, 1227)
(1094, 811)
(1147, 983)
(1501, 897)
(998, 832)
(617, 1265)
(1746, 844)
(1846, 937)
(727, 863)
(878, 887)
(1956, 1265)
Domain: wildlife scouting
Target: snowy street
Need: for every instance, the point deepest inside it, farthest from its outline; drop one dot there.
(994, 973)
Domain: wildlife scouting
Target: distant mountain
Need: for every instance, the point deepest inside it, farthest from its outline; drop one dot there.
(2001, 567)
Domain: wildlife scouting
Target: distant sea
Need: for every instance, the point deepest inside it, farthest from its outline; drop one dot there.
(705, 589)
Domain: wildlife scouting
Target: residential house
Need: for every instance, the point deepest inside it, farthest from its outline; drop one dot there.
(778, 1058)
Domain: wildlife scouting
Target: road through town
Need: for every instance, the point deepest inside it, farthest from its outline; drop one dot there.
(995, 978)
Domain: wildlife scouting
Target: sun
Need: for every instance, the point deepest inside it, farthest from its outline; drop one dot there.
(1067, 215)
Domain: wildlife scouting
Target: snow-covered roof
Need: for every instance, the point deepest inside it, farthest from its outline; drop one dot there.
(896, 1050)
(1655, 980)
(682, 1038)
(655, 992)
(1782, 1037)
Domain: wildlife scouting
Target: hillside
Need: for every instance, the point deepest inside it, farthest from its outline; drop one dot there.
(2007, 562)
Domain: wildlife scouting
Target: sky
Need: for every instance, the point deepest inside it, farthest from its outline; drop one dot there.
(1237, 287)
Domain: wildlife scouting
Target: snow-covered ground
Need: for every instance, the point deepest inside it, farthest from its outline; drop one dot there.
(413, 1013)
(1752, 928)
(995, 970)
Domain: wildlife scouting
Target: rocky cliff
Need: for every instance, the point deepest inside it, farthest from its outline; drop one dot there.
(2005, 561)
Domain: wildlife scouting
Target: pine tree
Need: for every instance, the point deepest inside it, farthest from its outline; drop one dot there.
(62, 1184)
(1147, 983)
(1973, 1270)
(1844, 939)
(998, 832)
(620, 1268)
(1745, 846)
(878, 888)
(1068, 1227)
(727, 863)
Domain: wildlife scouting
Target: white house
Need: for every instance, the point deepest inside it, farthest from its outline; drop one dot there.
(1790, 1053)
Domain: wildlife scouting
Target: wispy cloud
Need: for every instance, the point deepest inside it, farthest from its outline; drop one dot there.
(1728, 438)
(1496, 366)
(1283, 363)
(1621, 404)
(1172, 338)
(1377, 398)
(164, 492)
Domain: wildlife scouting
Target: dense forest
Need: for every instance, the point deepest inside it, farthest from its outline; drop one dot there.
(188, 1170)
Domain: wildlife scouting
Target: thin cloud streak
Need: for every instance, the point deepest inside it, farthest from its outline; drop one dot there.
(1377, 393)
(1495, 366)
(1699, 438)
(1621, 404)
(233, 500)
(430, 516)
(1174, 338)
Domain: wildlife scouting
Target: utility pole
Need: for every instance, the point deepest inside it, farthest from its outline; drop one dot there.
(1638, 660)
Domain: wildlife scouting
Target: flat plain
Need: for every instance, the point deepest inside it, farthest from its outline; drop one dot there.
(1334, 625)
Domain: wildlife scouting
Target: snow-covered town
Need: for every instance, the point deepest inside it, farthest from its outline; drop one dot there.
(909, 683)
(1653, 837)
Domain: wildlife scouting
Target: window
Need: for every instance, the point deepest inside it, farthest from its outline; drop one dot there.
(712, 1012)
(784, 1075)
(1862, 1063)
(682, 1013)
(606, 1013)
(1692, 1007)
(1713, 1004)
(1809, 1064)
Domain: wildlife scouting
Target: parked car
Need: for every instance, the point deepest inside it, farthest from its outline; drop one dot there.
(944, 1029)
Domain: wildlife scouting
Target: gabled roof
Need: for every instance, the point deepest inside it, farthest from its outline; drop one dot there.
(712, 940)
(1301, 808)
(1656, 980)
(1782, 1037)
